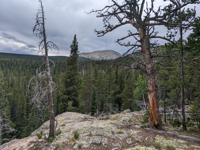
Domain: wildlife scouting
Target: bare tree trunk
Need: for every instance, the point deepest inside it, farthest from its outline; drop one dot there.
(154, 120)
(49, 88)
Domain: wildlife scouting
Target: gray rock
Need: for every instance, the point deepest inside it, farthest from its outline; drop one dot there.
(116, 145)
(95, 140)
(126, 111)
(129, 141)
(104, 141)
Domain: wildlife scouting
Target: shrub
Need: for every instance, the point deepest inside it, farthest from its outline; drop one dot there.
(76, 134)
(119, 132)
(80, 145)
(175, 123)
(51, 139)
(145, 117)
(57, 146)
(71, 139)
(157, 145)
(170, 147)
(58, 132)
(39, 135)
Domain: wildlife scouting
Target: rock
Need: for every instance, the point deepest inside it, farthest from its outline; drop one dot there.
(95, 140)
(129, 141)
(116, 145)
(104, 141)
(126, 111)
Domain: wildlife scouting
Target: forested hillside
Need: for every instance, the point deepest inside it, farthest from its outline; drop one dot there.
(163, 81)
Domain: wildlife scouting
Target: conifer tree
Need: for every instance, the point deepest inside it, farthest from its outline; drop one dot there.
(127, 93)
(86, 90)
(93, 108)
(71, 80)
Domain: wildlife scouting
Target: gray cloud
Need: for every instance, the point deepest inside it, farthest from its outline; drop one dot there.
(63, 20)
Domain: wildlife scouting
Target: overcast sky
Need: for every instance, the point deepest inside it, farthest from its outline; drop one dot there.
(64, 18)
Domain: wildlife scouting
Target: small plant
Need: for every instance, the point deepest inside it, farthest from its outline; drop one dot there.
(72, 139)
(80, 145)
(51, 139)
(129, 136)
(137, 141)
(63, 144)
(63, 125)
(175, 123)
(145, 118)
(36, 145)
(119, 132)
(170, 147)
(76, 134)
(57, 146)
(58, 132)
(90, 134)
(123, 146)
(39, 135)
(74, 143)
(157, 145)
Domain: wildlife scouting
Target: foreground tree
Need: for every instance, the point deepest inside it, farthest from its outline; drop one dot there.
(42, 92)
(71, 78)
(132, 12)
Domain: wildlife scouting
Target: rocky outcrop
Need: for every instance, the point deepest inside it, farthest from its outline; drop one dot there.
(99, 55)
(120, 131)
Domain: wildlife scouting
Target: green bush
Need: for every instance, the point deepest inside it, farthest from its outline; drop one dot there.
(51, 139)
(176, 123)
(80, 145)
(76, 134)
(190, 124)
(39, 135)
(145, 117)
(58, 132)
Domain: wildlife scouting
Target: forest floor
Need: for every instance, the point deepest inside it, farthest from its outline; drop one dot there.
(119, 131)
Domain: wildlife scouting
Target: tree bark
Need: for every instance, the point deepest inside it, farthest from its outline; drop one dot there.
(49, 88)
(154, 120)
(182, 79)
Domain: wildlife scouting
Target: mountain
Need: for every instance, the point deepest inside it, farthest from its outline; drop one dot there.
(109, 132)
(102, 54)
(35, 57)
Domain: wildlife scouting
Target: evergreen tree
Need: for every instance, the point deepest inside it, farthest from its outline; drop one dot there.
(21, 118)
(93, 108)
(71, 78)
(127, 93)
(86, 90)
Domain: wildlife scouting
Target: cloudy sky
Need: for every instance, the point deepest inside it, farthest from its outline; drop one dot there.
(64, 18)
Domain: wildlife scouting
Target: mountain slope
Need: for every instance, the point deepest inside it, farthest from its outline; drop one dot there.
(36, 57)
(99, 55)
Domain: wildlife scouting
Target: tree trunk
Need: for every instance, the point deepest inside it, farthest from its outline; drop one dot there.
(165, 106)
(154, 120)
(49, 88)
(0, 130)
(182, 79)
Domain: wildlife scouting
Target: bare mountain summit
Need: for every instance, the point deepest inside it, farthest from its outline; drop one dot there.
(99, 55)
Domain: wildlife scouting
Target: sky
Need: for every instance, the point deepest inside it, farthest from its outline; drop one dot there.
(64, 19)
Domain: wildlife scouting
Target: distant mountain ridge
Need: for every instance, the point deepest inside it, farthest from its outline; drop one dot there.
(36, 57)
(101, 54)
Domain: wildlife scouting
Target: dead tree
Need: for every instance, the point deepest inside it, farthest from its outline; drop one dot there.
(4, 125)
(144, 20)
(44, 47)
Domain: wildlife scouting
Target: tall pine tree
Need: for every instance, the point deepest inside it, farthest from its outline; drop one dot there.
(71, 80)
